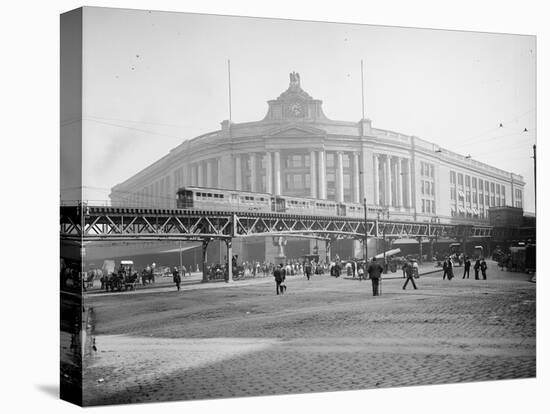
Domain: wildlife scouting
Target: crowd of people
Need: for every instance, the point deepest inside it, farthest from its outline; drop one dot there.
(480, 265)
(372, 270)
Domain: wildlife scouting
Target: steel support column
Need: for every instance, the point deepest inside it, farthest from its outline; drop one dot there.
(204, 260)
(229, 245)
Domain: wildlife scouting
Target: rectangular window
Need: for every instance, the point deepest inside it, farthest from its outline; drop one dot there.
(423, 205)
(486, 186)
(468, 197)
(492, 187)
(492, 201)
(422, 186)
(453, 195)
(346, 160)
(487, 199)
(474, 183)
(474, 194)
(428, 205)
(330, 160)
(503, 192)
(498, 189)
(347, 181)
(453, 177)
(433, 206)
(460, 179)
(467, 181)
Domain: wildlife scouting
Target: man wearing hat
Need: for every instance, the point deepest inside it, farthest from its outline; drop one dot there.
(375, 273)
(177, 277)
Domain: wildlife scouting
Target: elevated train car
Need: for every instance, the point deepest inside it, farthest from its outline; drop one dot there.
(204, 198)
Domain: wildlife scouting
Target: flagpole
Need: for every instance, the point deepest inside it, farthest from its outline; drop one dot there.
(229, 86)
(362, 93)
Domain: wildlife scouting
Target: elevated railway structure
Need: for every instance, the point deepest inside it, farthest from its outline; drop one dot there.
(86, 223)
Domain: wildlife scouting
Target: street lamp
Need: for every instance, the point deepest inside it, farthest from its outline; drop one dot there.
(366, 236)
(435, 220)
(384, 212)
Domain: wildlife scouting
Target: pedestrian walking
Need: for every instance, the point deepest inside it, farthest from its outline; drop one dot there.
(360, 272)
(477, 265)
(483, 267)
(177, 277)
(308, 269)
(467, 265)
(448, 269)
(409, 272)
(279, 274)
(375, 273)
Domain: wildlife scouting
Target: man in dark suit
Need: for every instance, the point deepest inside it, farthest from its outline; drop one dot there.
(483, 267)
(279, 274)
(307, 269)
(375, 273)
(177, 277)
(467, 265)
(477, 265)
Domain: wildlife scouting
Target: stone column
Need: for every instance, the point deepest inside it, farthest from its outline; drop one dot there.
(253, 172)
(339, 177)
(409, 183)
(399, 186)
(322, 176)
(277, 174)
(219, 181)
(238, 172)
(376, 179)
(356, 187)
(313, 174)
(268, 173)
(200, 174)
(209, 173)
(388, 180)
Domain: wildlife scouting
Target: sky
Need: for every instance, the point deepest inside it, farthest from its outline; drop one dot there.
(154, 79)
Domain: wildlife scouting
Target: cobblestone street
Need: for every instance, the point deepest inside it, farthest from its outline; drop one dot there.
(323, 335)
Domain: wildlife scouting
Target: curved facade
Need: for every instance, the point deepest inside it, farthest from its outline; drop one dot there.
(296, 150)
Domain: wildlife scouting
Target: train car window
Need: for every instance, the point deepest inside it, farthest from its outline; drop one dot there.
(210, 195)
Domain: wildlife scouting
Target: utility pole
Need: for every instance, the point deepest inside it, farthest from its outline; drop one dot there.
(181, 262)
(535, 172)
(366, 239)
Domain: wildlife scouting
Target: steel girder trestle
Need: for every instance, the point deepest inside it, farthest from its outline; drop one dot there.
(90, 223)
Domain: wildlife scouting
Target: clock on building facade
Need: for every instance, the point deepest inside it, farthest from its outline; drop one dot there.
(295, 110)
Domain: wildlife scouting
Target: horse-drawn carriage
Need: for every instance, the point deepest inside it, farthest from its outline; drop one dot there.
(125, 278)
